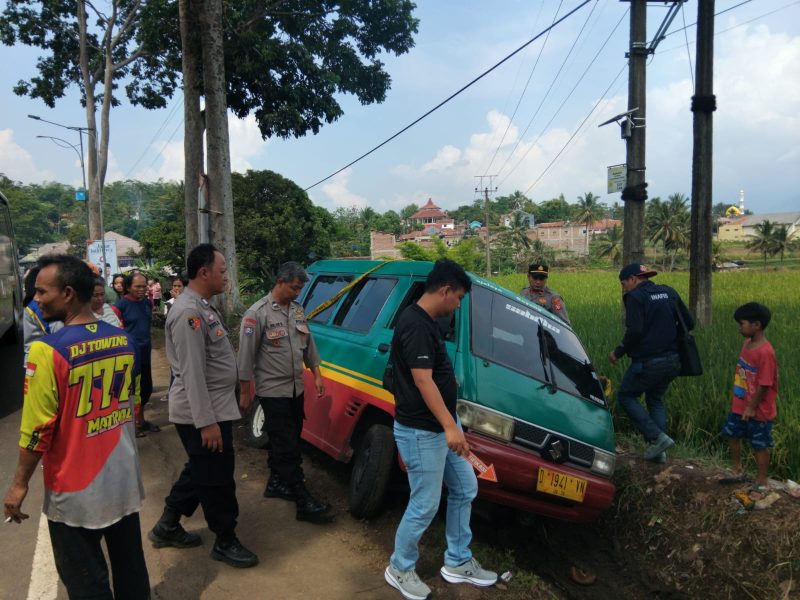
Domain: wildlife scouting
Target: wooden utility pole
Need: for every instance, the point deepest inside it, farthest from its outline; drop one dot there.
(486, 191)
(220, 191)
(704, 104)
(635, 192)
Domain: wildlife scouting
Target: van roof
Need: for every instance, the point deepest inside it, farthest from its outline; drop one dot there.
(420, 268)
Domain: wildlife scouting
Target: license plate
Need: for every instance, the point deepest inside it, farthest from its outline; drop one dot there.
(559, 484)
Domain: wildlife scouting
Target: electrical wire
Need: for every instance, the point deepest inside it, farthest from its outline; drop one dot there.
(688, 53)
(453, 95)
(170, 115)
(525, 89)
(547, 93)
(568, 96)
(564, 147)
(164, 147)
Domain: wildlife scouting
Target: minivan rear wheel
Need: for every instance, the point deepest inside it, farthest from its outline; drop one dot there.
(371, 470)
(256, 431)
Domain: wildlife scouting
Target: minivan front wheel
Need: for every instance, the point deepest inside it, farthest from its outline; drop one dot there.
(371, 470)
(256, 431)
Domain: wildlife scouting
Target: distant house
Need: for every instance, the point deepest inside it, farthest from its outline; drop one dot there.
(127, 248)
(740, 230)
(430, 214)
(568, 236)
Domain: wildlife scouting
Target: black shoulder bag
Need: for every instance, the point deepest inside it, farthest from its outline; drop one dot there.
(687, 348)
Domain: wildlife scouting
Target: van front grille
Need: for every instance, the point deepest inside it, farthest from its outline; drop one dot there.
(537, 438)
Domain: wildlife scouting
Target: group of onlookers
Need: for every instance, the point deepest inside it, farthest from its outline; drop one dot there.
(132, 310)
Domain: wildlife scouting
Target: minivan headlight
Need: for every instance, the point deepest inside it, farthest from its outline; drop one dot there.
(485, 421)
(603, 463)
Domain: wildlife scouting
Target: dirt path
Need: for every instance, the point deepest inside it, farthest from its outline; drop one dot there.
(674, 532)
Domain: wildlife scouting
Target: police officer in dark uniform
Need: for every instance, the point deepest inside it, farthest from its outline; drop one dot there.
(542, 295)
(203, 407)
(274, 344)
(651, 331)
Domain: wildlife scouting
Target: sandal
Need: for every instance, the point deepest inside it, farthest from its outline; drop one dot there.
(732, 477)
(759, 488)
(148, 426)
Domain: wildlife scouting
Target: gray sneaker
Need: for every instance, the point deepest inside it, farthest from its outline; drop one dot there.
(662, 442)
(661, 459)
(407, 583)
(471, 571)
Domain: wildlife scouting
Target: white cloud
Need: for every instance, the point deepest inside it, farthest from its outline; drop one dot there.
(337, 194)
(17, 164)
(245, 145)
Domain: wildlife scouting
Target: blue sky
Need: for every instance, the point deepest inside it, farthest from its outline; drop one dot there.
(756, 126)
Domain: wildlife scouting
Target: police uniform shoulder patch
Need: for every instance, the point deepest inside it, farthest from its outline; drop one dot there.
(194, 323)
(249, 326)
(557, 303)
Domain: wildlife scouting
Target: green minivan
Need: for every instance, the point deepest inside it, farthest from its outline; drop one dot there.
(530, 401)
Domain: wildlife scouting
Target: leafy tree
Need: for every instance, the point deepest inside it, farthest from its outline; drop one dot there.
(588, 211)
(516, 235)
(275, 222)
(782, 241)
(414, 251)
(162, 237)
(763, 240)
(609, 245)
(96, 51)
(466, 253)
(668, 223)
(555, 209)
(31, 217)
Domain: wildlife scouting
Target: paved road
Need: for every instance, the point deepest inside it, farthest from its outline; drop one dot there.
(298, 560)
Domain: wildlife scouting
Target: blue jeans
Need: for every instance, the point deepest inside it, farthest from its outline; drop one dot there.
(651, 377)
(429, 462)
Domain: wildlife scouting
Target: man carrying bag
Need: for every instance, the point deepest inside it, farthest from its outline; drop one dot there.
(651, 340)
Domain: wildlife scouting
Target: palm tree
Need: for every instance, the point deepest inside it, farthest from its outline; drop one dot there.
(610, 245)
(782, 241)
(588, 211)
(763, 239)
(668, 223)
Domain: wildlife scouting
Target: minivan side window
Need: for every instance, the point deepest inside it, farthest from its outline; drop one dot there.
(512, 334)
(447, 325)
(364, 304)
(324, 288)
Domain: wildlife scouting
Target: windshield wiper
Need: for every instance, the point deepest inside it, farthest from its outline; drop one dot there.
(544, 353)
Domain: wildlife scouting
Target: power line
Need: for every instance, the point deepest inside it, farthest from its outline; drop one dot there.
(446, 100)
(688, 52)
(164, 147)
(568, 96)
(525, 89)
(547, 93)
(564, 147)
(166, 120)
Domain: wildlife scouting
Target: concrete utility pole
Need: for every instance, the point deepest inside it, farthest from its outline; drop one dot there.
(704, 103)
(635, 192)
(486, 191)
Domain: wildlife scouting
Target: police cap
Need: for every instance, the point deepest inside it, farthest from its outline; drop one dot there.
(538, 268)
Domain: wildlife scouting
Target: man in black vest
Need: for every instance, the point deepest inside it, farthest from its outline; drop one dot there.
(651, 331)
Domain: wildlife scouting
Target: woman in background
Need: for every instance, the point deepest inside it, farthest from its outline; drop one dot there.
(101, 309)
(137, 314)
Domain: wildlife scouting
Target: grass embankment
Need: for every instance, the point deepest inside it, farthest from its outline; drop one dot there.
(697, 406)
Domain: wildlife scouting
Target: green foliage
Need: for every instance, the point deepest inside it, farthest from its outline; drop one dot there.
(697, 406)
(275, 222)
(609, 245)
(31, 217)
(668, 223)
(589, 210)
(771, 239)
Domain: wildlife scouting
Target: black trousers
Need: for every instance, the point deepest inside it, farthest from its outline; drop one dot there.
(207, 480)
(146, 381)
(82, 567)
(283, 419)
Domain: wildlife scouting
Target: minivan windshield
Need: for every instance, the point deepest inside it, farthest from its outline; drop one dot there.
(514, 335)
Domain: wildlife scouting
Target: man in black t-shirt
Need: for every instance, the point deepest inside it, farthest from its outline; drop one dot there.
(430, 439)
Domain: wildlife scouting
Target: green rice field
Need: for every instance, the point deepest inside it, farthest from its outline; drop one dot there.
(697, 406)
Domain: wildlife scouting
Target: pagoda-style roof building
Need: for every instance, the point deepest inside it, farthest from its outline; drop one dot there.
(428, 214)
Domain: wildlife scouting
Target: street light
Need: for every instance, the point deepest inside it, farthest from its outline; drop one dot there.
(62, 143)
(81, 131)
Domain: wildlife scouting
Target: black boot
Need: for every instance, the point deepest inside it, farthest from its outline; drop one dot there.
(168, 532)
(309, 508)
(233, 553)
(277, 488)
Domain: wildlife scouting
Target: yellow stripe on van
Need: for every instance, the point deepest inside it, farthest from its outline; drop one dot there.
(356, 373)
(375, 391)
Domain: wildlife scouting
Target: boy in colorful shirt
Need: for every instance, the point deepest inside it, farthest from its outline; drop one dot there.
(755, 388)
(81, 395)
